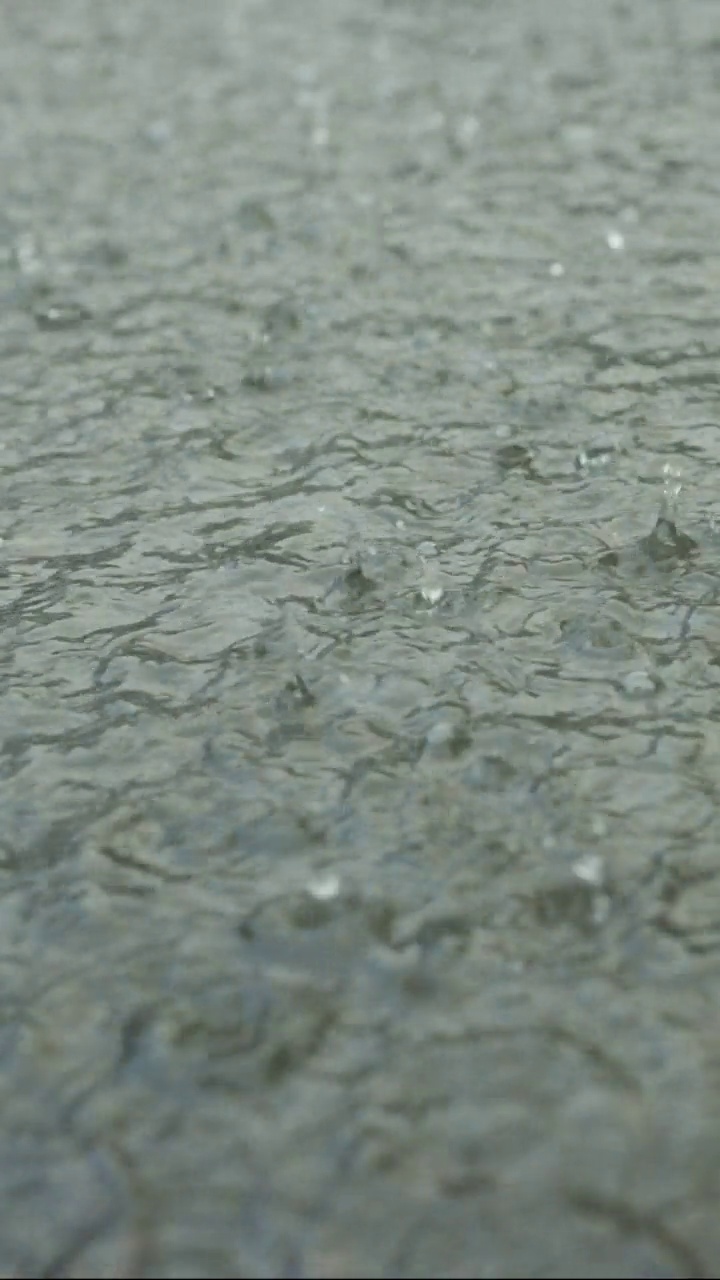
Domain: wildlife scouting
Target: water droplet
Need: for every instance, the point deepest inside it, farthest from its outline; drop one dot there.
(590, 869)
(27, 254)
(431, 589)
(466, 132)
(324, 888)
(514, 457)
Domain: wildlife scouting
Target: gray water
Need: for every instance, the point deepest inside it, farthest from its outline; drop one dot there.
(359, 434)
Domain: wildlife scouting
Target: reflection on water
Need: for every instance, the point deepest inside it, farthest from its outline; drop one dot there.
(359, 775)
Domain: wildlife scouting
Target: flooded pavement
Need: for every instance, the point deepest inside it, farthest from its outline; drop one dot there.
(359, 443)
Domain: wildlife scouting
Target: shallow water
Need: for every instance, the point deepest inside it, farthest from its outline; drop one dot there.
(359, 786)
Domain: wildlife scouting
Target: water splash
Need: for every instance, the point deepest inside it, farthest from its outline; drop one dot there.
(667, 541)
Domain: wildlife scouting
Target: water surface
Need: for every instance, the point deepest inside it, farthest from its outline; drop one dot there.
(359, 434)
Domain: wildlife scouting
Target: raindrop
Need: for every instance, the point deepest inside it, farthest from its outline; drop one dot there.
(672, 487)
(431, 593)
(590, 869)
(61, 316)
(594, 457)
(324, 888)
